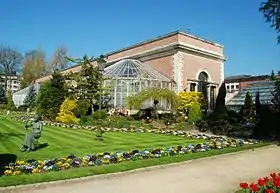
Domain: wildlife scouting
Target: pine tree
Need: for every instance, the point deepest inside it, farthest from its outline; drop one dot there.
(30, 99)
(276, 97)
(257, 105)
(220, 107)
(248, 107)
(272, 76)
(51, 95)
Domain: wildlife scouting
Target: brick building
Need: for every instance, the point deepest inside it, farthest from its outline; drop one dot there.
(193, 63)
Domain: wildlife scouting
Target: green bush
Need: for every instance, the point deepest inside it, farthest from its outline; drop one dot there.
(81, 110)
(10, 104)
(22, 108)
(99, 114)
(195, 113)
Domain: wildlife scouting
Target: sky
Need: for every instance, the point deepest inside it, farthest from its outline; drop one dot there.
(95, 27)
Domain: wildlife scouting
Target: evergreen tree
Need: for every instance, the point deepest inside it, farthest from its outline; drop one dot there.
(257, 105)
(248, 107)
(220, 107)
(276, 96)
(272, 76)
(3, 98)
(30, 99)
(51, 95)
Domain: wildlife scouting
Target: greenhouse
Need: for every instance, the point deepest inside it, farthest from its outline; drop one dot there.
(265, 89)
(128, 77)
(19, 96)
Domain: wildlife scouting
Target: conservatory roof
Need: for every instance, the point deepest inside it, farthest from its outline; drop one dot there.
(133, 69)
(265, 89)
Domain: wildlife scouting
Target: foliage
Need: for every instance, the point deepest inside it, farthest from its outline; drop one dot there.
(271, 12)
(82, 109)
(247, 110)
(220, 107)
(276, 97)
(51, 95)
(187, 99)
(10, 103)
(30, 99)
(100, 114)
(195, 113)
(10, 60)
(272, 76)
(135, 102)
(66, 114)
(33, 66)
(90, 81)
(22, 108)
(3, 98)
(268, 184)
(59, 60)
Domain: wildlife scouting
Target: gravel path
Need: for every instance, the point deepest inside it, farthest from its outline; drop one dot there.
(219, 174)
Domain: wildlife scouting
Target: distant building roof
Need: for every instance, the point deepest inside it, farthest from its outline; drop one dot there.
(241, 78)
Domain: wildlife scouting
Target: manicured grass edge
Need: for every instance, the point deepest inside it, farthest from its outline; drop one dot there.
(14, 183)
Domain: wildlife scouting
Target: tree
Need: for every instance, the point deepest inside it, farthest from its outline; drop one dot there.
(10, 59)
(60, 61)
(272, 76)
(271, 11)
(3, 98)
(34, 65)
(30, 99)
(90, 81)
(220, 107)
(247, 110)
(257, 106)
(51, 95)
(276, 97)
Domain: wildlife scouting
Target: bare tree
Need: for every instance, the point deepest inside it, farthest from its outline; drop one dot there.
(33, 66)
(60, 61)
(10, 60)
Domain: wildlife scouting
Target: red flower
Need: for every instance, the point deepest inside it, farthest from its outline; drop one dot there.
(269, 191)
(254, 187)
(273, 175)
(244, 185)
(261, 182)
(266, 179)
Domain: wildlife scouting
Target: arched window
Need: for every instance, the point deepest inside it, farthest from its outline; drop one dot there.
(203, 77)
(203, 83)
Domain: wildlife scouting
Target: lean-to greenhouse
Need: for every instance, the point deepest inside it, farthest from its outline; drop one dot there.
(19, 96)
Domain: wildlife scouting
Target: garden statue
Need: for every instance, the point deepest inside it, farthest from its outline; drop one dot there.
(34, 135)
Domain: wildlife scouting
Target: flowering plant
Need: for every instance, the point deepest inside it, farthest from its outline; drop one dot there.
(268, 184)
(39, 166)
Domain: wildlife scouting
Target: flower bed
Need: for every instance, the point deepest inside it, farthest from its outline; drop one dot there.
(39, 166)
(268, 184)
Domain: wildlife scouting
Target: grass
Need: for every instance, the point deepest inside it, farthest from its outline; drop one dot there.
(63, 141)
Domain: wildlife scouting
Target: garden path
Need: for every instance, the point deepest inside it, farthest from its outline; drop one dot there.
(219, 174)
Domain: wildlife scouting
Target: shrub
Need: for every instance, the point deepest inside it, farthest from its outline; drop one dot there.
(194, 113)
(22, 108)
(3, 98)
(99, 114)
(10, 103)
(188, 98)
(82, 110)
(66, 114)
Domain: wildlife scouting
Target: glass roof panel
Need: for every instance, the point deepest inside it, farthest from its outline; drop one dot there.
(130, 68)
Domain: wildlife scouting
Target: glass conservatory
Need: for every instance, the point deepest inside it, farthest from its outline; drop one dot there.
(19, 96)
(128, 77)
(265, 90)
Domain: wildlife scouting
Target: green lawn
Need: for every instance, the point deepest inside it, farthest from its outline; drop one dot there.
(63, 141)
